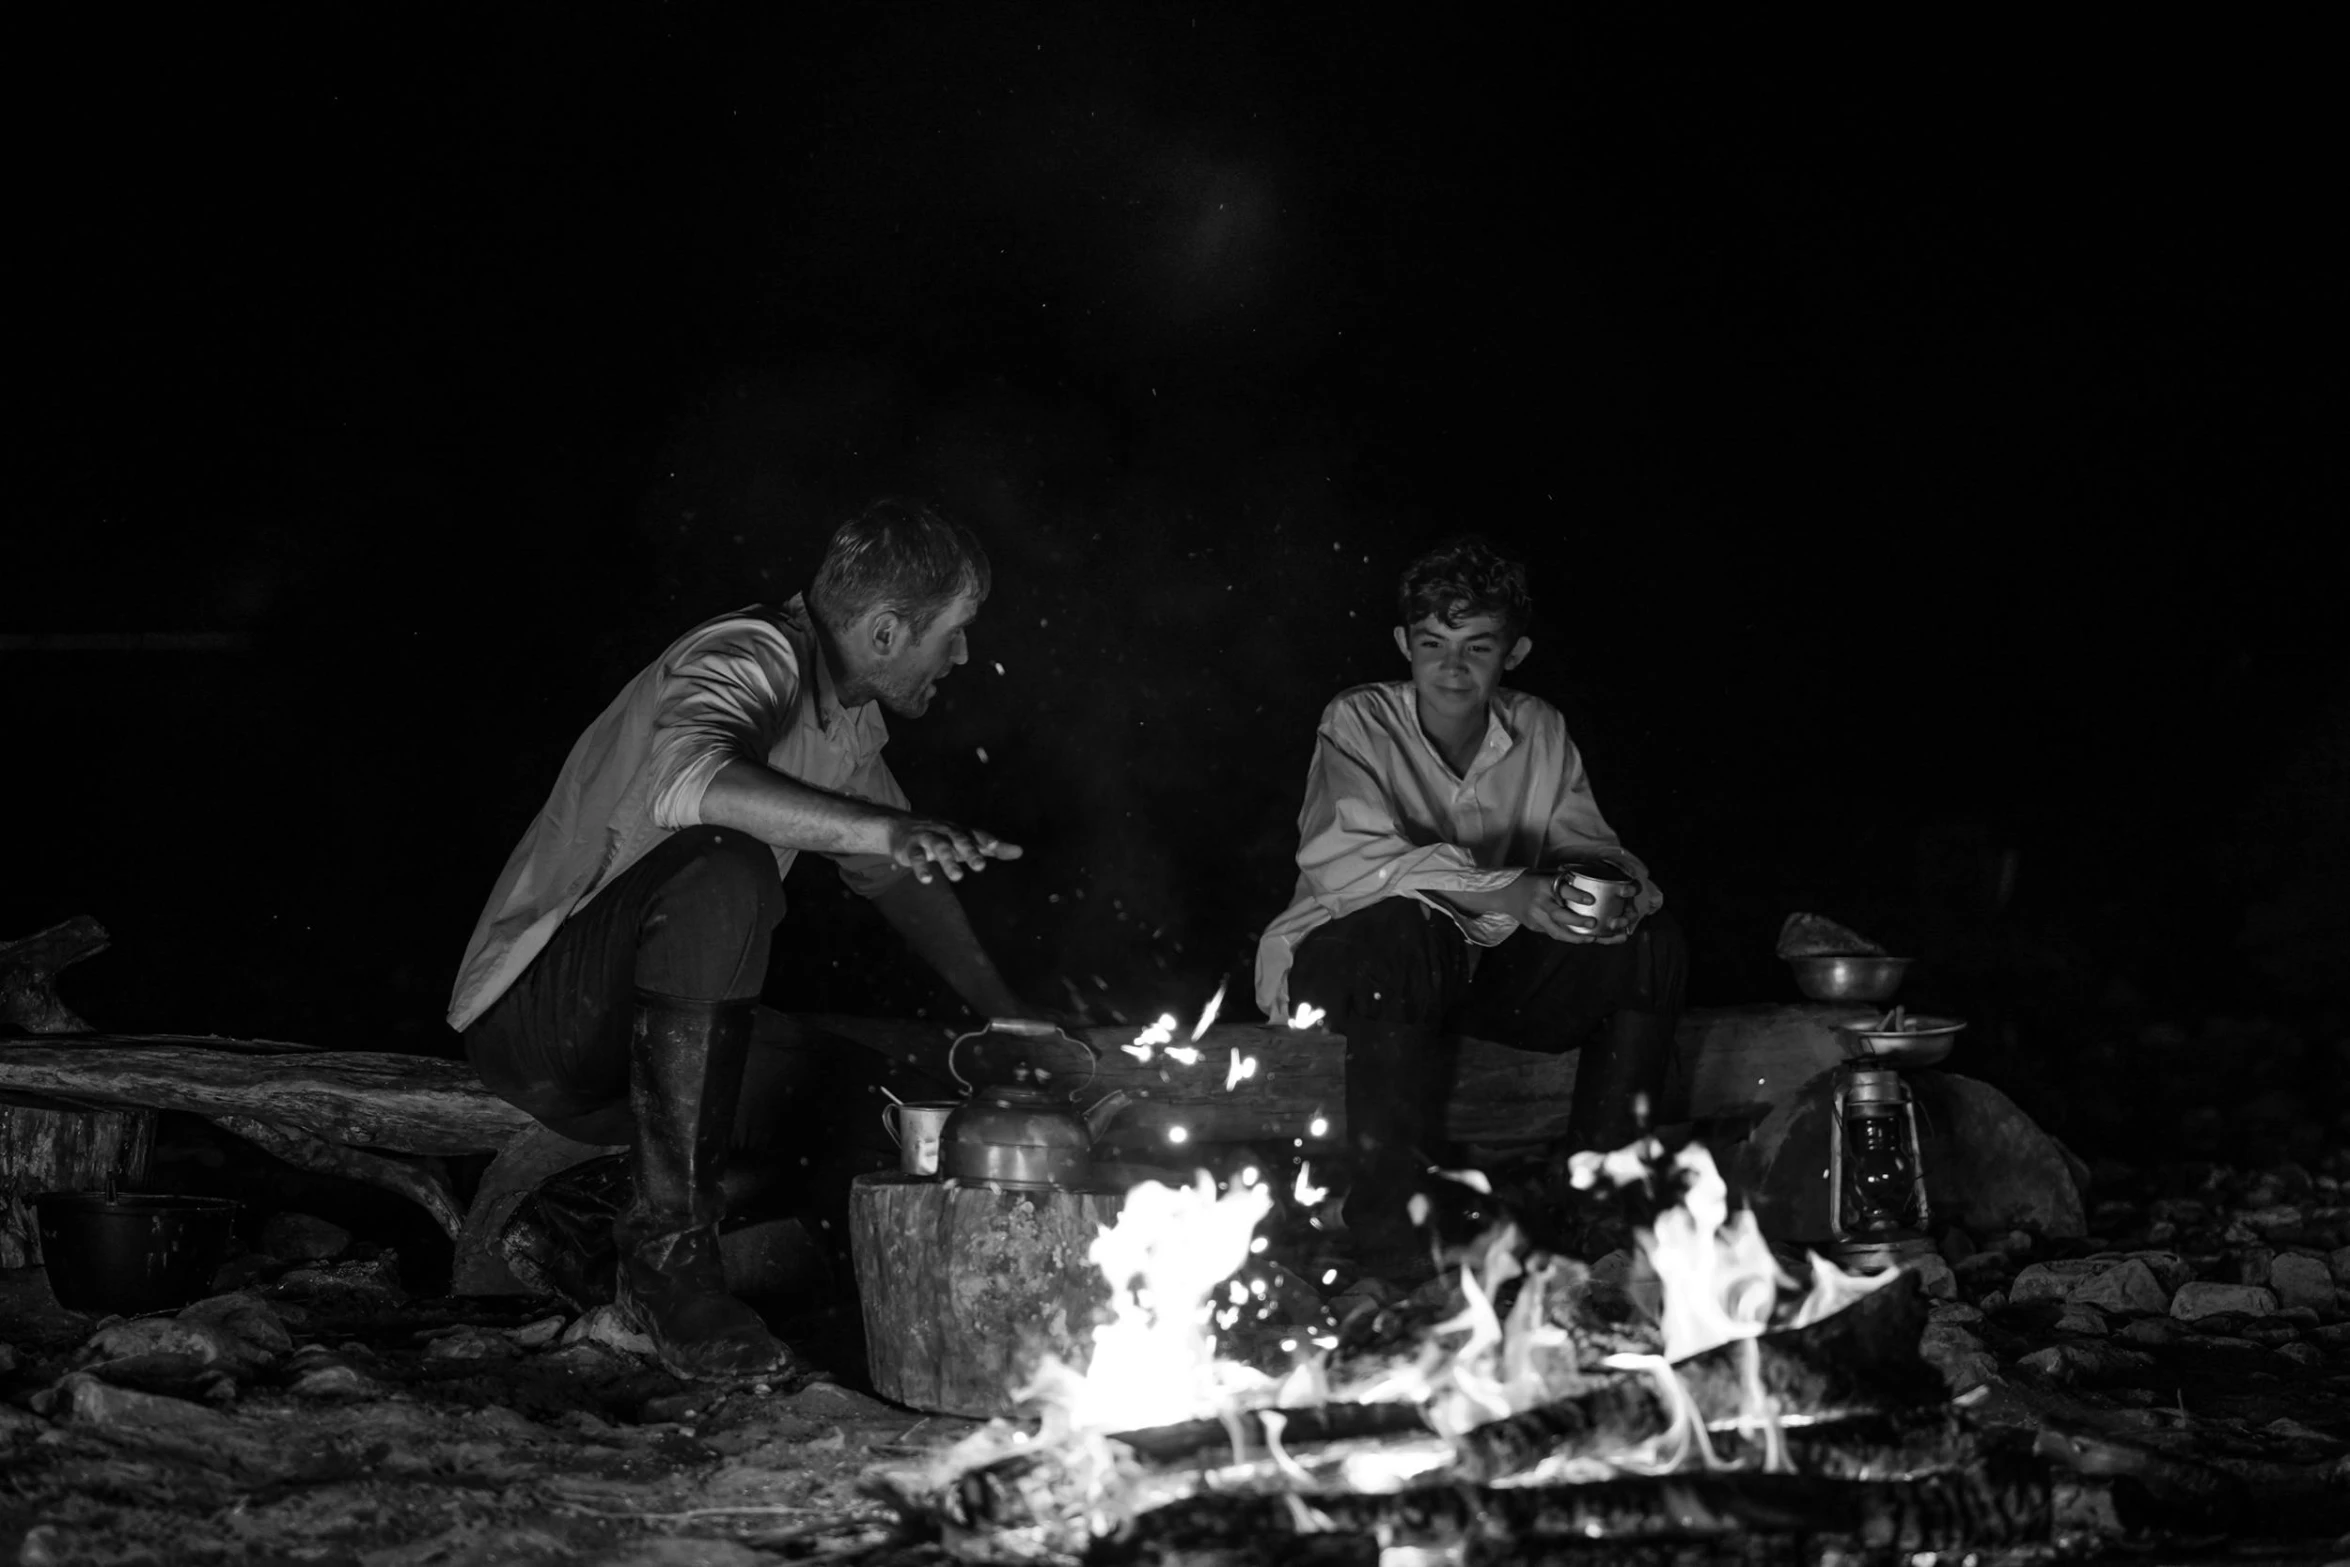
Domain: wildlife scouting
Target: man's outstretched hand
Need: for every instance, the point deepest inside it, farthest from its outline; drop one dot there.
(930, 845)
(1565, 922)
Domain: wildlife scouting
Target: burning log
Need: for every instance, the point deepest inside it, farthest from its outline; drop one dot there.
(2005, 1501)
(1862, 1360)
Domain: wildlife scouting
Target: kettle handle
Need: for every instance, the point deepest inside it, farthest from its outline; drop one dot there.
(1026, 1028)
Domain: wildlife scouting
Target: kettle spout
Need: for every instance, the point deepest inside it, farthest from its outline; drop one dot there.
(1104, 1110)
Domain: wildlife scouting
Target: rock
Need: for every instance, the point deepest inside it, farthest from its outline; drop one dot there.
(2051, 1280)
(1956, 1313)
(360, 1284)
(2250, 1265)
(172, 1425)
(2127, 1289)
(471, 1343)
(1956, 1246)
(2197, 1301)
(2266, 1221)
(2017, 1244)
(607, 1327)
(1996, 1301)
(2079, 1362)
(1958, 1355)
(337, 1380)
(2339, 1262)
(2302, 1281)
(1985, 1270)
(2308, 1356)
(2083, 1322)
(7, 1358)
(18, 1425)
(536, 1335)
(245, 1318)
(2170, 1270)
(301, 1237)
(1935, 1275)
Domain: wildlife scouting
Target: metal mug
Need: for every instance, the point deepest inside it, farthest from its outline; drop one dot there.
(915, 1128)
(1610, 887)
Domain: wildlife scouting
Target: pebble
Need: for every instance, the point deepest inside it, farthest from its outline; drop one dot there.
(2129, 1289)
(2153, 1330)
(2303, 1281)
(536, 1335)
(2085, 1362)
(2082, 1321)
(606, 1326)
(2339, 1261)
(2307, 1355)
(2051, 1280)
(2195, 1301)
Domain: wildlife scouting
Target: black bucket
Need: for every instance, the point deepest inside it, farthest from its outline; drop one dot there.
(132, 1252)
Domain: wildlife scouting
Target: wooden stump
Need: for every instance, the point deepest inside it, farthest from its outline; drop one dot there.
(965, 1289)
(48, 1146)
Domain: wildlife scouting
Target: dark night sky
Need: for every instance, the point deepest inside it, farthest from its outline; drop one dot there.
(1915, 438)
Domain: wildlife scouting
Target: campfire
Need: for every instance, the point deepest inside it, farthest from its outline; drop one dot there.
(1520, 1423)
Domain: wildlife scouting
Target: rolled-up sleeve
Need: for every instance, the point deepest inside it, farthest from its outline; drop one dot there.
(724, 699)
(870, 875)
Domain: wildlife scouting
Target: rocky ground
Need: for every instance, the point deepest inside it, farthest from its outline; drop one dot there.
(313, 1412)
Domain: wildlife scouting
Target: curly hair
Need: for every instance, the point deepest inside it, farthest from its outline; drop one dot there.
(1462, 577)
(900, 556)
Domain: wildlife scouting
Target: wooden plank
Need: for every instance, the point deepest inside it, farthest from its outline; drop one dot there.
(366, 1099)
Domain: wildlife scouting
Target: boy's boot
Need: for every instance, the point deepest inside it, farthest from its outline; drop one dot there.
(1387, 1115)
(685, 1071)
(1620, 1080)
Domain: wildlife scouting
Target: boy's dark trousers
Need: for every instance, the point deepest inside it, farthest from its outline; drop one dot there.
(1398, 979)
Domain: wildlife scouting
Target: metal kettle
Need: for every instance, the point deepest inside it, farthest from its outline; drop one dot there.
(1024, 1138)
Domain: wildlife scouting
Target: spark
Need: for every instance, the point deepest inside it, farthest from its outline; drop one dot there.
(1157, 1034)
(1241, 1066)
(1474, 1180)
(1215, 1005)
(1306, 1191)
(1307, 1016)
(1318, 1127)
(1178, 1134)
(1188, 1055)
(1330, 1276)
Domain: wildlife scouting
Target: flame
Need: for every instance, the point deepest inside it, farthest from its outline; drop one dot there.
(1155, 1361)
(1241, 1067)
(1208, 1014)
(1187, 1055)
(1307, 1015)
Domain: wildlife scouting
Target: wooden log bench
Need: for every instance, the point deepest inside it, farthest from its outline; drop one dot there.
(391, 1120)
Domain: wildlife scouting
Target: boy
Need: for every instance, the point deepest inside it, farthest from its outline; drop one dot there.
(1431, 809)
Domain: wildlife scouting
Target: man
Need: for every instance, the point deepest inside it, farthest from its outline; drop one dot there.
(611, 984)
(1431, 807)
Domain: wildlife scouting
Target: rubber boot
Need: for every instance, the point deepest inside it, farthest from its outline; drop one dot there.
(1389, 1071)
(1620, 1081)
(685, 1071)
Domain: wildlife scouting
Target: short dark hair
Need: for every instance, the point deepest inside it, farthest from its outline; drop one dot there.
(1462, 577)
(899, 556)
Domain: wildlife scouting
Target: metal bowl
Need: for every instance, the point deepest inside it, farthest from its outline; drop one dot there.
(1849, 976)
(1922, 1042)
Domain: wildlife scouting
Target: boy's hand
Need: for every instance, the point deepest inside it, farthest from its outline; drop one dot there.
(1564, 922)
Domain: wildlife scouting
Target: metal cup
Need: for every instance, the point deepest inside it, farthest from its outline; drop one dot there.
(915, 1128)
(1611, 890)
